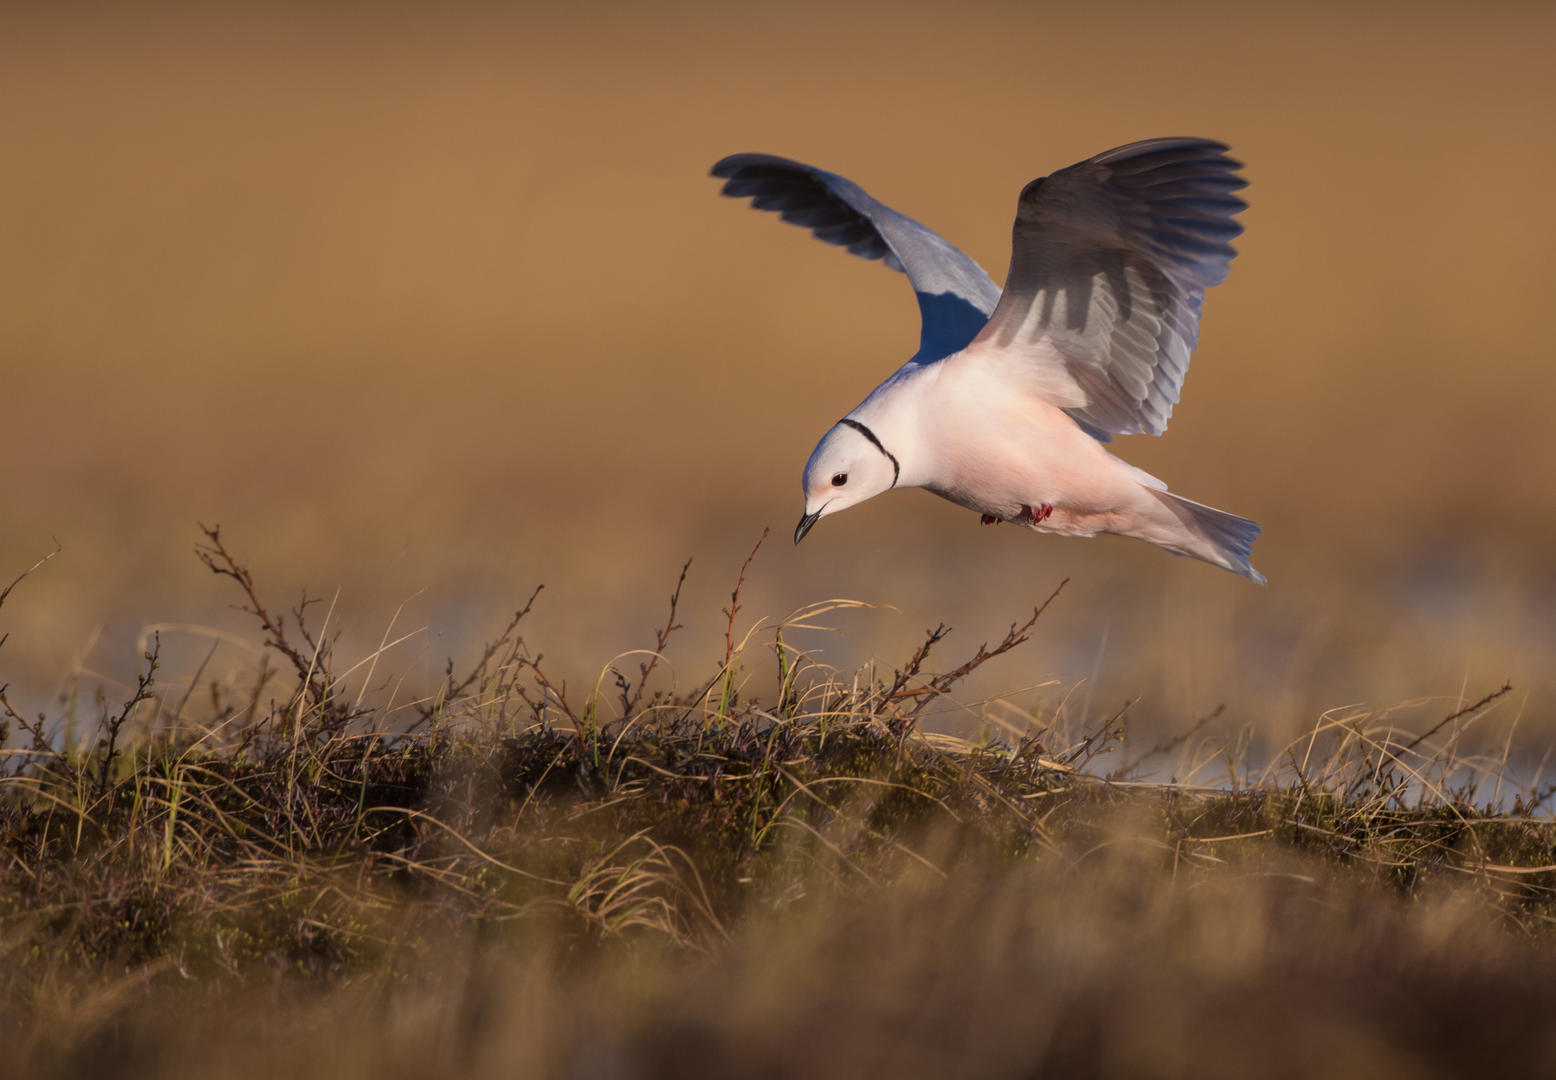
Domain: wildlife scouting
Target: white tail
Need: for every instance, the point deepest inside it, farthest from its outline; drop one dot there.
(1215, 536)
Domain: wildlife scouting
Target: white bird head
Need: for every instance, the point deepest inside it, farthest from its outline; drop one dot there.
(848, 466)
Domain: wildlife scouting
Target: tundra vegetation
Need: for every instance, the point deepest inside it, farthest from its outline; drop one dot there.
(759, 875)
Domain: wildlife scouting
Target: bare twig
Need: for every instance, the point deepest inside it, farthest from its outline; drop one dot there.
(1388, 757)
(143, 684)
(734, 601)
(1092, 745)
(1506, 688)
(910, 670)
(34, 729)
(1166, 746)
(479, 669)
(299, 616)
(727, 672)
(942, 684)
(662, 638)
(5, 592)
(560, 697)
(221, 562)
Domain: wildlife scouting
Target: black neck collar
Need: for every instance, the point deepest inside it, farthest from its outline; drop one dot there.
(896, 470)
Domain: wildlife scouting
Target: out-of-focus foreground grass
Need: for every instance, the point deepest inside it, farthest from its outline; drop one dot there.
(513, 877)
(431, 305)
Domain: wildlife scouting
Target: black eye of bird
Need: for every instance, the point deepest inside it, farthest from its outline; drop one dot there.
(839, 479)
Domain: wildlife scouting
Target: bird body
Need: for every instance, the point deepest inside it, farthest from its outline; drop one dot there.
(1008, 404)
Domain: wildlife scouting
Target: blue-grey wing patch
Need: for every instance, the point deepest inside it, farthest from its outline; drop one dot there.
(955, 296)
(1109, 265)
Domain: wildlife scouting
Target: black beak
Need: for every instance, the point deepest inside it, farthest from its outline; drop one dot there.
(804, 526)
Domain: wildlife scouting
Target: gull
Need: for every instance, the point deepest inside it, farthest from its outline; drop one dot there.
(1008, 404)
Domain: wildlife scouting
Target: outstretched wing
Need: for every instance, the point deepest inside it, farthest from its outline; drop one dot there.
(1109, 265)
(955, 296)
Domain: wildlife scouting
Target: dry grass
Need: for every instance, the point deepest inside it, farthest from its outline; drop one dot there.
(296, 269)
(515, 876)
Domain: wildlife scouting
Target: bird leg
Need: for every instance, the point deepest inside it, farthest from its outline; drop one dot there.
(989, 519)
(1037, 514)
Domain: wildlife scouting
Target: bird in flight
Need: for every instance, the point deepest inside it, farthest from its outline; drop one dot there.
(1007, 405)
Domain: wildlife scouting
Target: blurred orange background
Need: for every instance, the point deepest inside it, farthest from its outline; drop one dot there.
(429, 306)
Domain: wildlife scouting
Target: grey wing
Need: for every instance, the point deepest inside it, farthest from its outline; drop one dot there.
(955, 296)
(1109, 265)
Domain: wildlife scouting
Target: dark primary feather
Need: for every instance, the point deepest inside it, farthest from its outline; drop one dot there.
(801, 197)
(955, 295)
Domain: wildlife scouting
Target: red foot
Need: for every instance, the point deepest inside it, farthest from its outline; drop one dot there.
(1037, 514)
(989, 519)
